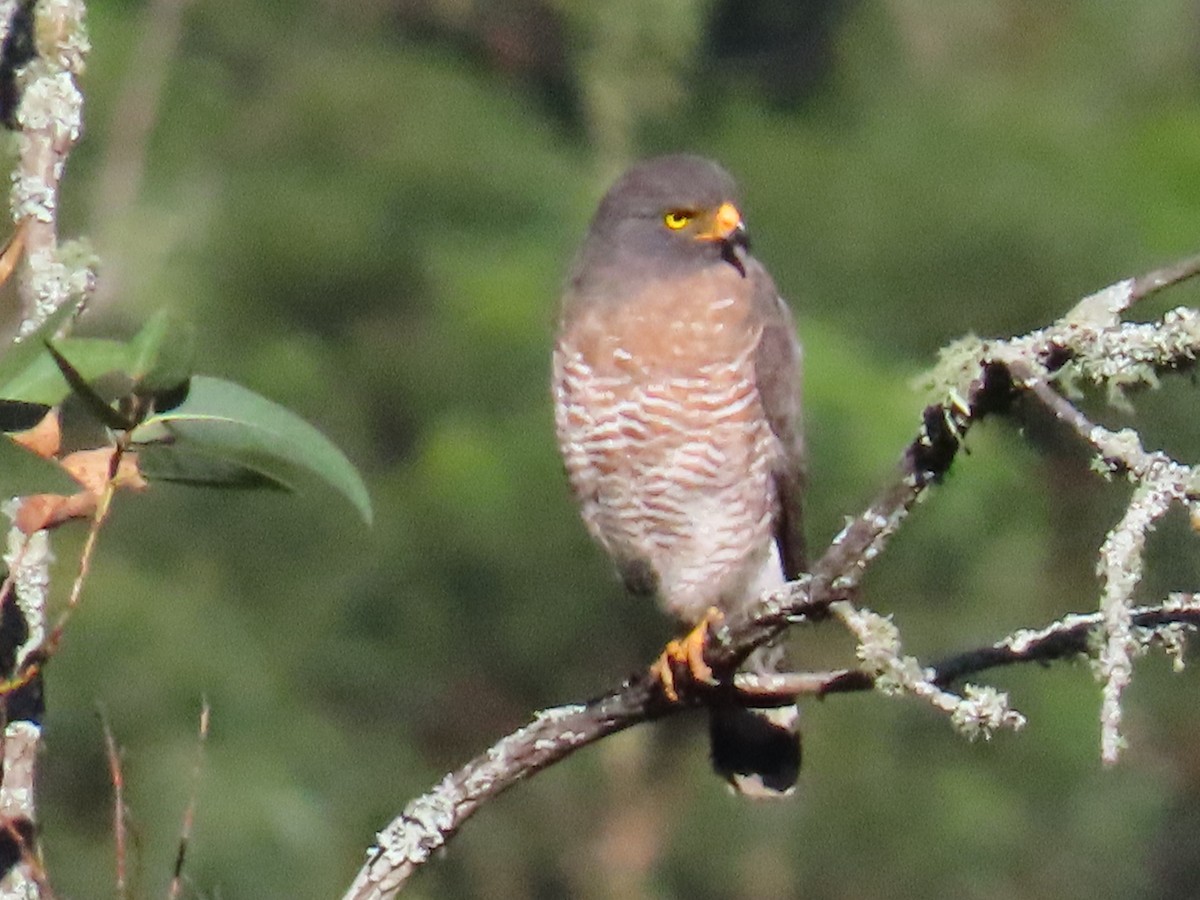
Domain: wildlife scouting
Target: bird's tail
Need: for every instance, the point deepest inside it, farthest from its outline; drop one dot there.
(757, 750)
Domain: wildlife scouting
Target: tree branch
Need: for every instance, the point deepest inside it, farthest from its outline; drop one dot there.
(50, 120)
(52, 44)
(975, 379)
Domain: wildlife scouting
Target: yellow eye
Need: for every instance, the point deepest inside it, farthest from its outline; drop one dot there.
(677, 218)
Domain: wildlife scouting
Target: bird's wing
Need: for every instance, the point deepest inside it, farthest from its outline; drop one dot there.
(777, 372)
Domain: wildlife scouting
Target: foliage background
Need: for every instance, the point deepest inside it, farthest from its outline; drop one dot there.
(368, 208)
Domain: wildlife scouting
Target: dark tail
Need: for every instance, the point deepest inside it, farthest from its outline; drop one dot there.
(757, 750)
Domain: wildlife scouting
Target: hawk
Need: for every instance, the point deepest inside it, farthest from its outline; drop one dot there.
(676, 384)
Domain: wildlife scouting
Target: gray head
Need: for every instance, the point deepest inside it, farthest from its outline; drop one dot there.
(666, 215)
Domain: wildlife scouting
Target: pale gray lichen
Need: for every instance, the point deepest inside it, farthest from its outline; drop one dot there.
(1123, 447)
(1172, 638)
(1102, 466)
(982, 711)
(1026, 639)
(63, 23)
(28, 558)
(33, 197)
(428, 821)
(1129, 355)
(841, 535)
(52, 106)
(957, 366)
(978, 713)
(20, 757)
(55, 283)
(878, 637)
(50, 114)
(423, 826)
(1103, 308)
(558, 713)
(1120, 566)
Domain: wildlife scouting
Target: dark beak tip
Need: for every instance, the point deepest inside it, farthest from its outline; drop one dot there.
(731, 252)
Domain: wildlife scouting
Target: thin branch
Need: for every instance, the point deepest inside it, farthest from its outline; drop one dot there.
(189, 815)
(1158, 279)
(116, 776)
(1072, 637)
(1160, 482)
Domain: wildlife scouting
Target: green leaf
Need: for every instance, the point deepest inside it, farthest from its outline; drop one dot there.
(40, 381)
(91, 400)
(175, 463)
(158, 360)
(225, 422)
(23, 472)
(29, 351)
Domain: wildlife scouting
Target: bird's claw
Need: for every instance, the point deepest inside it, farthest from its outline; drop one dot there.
(687, 654)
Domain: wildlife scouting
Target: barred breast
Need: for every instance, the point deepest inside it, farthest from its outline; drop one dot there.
(669, 452)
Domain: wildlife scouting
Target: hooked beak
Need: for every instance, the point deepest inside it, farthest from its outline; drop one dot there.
(728, 229)
(727, 226)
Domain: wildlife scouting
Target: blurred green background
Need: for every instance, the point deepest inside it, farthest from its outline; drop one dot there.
(367, 208)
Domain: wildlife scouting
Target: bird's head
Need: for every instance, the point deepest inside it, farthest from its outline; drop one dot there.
(677, 212)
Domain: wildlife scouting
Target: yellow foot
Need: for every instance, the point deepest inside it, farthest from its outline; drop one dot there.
(687, 652)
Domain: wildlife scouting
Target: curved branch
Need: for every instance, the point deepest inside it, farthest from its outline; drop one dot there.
(432, 819)
(997, 374)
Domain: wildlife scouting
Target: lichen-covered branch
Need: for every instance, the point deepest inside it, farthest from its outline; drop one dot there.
(1074, 637)
(974, 379)
(45, 45)
(429, 821)
(50, 122)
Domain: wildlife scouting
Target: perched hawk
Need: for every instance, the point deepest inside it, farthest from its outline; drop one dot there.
(677, 405)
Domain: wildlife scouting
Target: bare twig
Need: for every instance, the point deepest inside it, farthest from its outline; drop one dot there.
(1158, 279)
(116, 776)
(103, 507)
(189, 815)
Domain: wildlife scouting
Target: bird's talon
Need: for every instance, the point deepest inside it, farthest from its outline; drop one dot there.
(694, 644)
(663, 671)
(687, 652)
